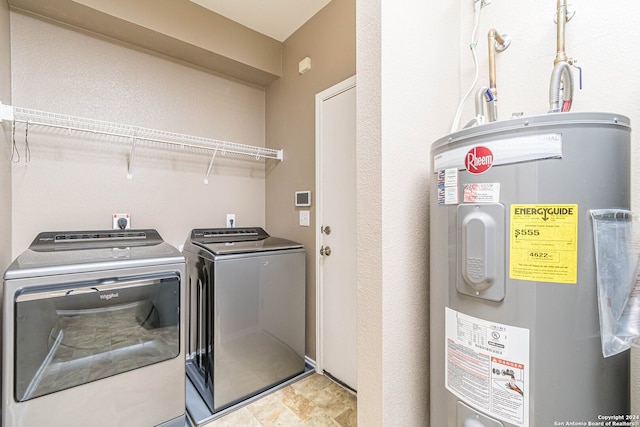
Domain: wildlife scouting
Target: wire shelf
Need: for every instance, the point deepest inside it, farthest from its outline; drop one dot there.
(214, 147)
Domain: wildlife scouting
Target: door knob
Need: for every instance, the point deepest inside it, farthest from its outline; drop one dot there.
(325, 250)
(326, 230)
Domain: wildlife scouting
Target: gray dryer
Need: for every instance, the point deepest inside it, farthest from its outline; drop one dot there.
(246, 314)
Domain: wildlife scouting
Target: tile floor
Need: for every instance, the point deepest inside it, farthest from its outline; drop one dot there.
(313, 401)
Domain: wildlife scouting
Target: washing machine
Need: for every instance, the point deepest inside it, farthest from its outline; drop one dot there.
(246, 296)
(93, 332)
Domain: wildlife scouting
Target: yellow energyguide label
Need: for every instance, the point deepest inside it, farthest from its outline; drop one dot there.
(544, 243)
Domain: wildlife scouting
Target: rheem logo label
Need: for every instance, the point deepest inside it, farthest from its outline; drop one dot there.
(478, 160)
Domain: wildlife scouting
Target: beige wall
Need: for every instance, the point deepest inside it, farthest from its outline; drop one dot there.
(369, 212)
(408, 92)
(5, 151)
(180, 29)
(404, 71)
(329, 40)
(77, 183)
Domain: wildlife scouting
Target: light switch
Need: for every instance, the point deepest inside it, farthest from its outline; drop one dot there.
(304, 219)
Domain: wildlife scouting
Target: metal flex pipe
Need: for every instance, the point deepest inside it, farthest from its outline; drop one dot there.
(561, 76)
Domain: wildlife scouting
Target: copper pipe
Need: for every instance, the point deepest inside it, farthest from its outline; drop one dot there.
(492, 38)
(497, 43)
(561, 55)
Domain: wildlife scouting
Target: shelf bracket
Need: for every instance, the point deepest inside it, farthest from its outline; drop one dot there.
(133, 152)
(213, 157)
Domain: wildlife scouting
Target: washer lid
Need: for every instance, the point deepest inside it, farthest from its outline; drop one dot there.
(52, 241)
(222, 241)
(53, 253)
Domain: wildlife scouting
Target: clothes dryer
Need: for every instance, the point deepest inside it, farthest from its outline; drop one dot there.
(246, 314)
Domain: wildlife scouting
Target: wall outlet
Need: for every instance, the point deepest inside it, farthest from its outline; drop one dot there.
(231, 220)
(121, 221)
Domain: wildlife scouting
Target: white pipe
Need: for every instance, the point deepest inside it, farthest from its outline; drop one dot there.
(472, 45)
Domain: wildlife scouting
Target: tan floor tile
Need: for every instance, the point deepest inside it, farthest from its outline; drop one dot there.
(311, 384)
(271, 411)
(343, 395)
(348, 418)
(325, 402)
(320, 421)
(314, 401)
(241, 417)
(295, 401)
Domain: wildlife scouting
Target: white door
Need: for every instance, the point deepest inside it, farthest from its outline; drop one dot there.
(336, 234)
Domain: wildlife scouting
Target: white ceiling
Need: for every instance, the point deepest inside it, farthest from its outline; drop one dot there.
(277, 19)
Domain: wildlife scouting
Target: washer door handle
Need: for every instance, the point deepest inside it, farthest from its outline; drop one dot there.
(108, 286)
(82, 290)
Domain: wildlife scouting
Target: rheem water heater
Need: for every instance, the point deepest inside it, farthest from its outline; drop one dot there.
(514, 317)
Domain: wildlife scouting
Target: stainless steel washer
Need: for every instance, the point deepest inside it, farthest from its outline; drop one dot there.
(246, 316)
(93, 332)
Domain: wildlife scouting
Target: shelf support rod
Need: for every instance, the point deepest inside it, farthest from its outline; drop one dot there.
(213, 157)
(133, 152)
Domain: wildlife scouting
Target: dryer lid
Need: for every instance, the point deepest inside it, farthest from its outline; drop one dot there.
(223, 241)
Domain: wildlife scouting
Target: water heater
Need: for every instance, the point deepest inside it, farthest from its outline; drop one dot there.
(513, 298)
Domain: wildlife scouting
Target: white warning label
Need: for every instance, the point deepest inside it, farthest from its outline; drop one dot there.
(487, 366)
(482, 193)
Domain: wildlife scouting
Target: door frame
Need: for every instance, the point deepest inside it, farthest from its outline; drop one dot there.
(321, 97)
